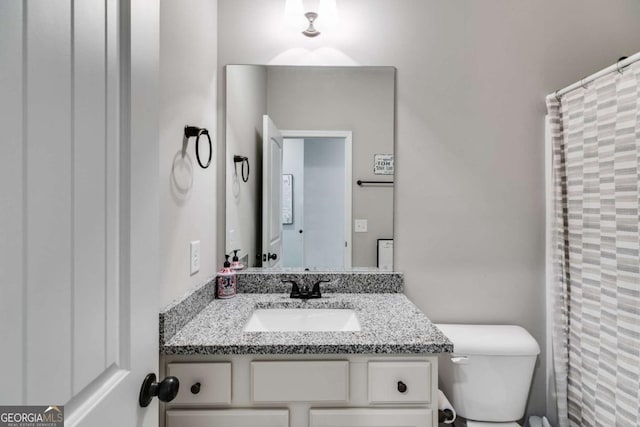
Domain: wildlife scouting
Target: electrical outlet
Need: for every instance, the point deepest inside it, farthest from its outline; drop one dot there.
(195, 256)
(361, 226)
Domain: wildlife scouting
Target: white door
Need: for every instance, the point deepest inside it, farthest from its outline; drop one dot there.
(79, 207)
(271, 194)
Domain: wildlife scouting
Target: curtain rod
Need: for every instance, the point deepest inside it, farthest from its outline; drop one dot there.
(617, 67)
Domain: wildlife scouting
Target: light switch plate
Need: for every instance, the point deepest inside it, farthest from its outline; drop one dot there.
(360, 225)
(195, 256)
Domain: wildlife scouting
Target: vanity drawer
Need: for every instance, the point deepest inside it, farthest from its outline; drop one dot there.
(303, 381)
(214, 380)
(370, 417)
(228, 418)
(400, 382)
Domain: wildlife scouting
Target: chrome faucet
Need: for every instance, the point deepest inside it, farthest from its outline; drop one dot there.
(305, 293)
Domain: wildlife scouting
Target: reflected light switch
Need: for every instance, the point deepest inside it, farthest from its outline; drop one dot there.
(361, 226)
(194, 250)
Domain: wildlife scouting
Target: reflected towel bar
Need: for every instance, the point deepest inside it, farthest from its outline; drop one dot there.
(361, 182)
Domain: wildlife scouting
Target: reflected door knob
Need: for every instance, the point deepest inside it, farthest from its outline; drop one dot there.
(166, 390)
(272, 256)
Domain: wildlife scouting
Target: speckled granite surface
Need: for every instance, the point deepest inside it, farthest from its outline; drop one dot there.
(264, 281)
(184, 309)
(390, 324)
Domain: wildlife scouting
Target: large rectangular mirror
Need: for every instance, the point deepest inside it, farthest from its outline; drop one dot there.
(309, 166)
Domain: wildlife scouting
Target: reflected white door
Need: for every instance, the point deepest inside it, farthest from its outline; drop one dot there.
(271, 194)
(79, 179)
(293, 231)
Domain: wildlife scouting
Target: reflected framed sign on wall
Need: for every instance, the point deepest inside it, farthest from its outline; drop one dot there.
(287, 199)
(383, 164)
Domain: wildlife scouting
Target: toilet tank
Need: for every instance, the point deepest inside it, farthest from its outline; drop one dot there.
(488, 375)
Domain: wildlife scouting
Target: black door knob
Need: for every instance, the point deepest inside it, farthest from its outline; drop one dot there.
(166, 390)
(273, 256)
(402, 387)
(195, 389)
(300, 231)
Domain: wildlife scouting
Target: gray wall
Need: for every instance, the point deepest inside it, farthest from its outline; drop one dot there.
(360, 100)
(472, 76)
(244, 112)
(187, 96)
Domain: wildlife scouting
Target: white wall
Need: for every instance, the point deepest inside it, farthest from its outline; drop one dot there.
(243, 129)
(472, 76)
(188, 73)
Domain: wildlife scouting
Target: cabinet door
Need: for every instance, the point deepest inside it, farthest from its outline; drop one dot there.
(228, 418)
(371, 417)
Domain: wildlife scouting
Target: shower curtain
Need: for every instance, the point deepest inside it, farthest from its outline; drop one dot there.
(595, 135)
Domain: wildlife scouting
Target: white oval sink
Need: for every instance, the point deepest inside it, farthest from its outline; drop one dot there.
(302, 319)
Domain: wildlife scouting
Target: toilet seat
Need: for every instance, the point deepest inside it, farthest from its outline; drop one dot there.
(471, 423)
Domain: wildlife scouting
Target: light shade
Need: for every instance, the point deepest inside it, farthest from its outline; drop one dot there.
(294, 14)
(327, 14)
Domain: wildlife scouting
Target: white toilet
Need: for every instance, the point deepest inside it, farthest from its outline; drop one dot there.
(488, 376)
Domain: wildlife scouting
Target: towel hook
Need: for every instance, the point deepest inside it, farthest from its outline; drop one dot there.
(191, 131)
(244, 160)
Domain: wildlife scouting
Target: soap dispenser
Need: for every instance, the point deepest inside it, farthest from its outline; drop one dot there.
(235, 262)
(226, 281)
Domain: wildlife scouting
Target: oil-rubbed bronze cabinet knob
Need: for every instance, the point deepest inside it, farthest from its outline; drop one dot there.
(195, 389)
(402, 387)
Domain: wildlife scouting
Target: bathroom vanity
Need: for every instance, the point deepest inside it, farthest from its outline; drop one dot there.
(384, 374)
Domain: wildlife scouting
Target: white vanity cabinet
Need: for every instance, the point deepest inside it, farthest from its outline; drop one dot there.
(370, 417)
(227, 418)
(323, 390)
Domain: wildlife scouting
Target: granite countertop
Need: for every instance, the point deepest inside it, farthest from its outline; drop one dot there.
(390, 324)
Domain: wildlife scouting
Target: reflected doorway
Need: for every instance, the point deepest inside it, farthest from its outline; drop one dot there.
(316, 199)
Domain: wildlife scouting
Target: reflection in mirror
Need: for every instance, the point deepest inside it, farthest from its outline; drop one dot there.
(310, 135)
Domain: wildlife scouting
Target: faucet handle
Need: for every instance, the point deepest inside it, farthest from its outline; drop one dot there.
(295, 290)
(315, 292)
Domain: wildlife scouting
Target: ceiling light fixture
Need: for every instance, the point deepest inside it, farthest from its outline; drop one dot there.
(311, 30)
(327, 9)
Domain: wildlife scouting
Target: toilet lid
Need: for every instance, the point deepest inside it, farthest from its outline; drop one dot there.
(490, 340)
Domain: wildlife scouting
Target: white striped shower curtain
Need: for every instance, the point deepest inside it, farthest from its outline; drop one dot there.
(595, 135)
